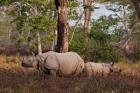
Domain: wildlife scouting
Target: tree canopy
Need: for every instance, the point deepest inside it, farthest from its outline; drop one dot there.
(108, 38)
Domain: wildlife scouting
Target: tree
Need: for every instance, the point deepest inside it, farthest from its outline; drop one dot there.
(87, 9)
(87, 16)
(129, 42)
(34, 19)
(62, 30)
(136, 4)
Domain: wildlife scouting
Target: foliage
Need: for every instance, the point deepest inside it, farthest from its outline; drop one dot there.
(33, 17)
(77, 43)
(4, 2)
(72, 12)
(100, 38)
(118, 1)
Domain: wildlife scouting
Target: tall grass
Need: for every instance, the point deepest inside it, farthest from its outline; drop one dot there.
(19, 83)
(17, 80)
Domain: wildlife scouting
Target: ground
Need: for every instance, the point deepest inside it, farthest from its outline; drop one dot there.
(15, 79)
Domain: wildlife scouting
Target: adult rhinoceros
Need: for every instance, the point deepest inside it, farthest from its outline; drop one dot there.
(65, 64)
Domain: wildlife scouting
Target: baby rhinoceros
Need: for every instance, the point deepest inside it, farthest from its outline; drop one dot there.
(64, 64)
(100, 69)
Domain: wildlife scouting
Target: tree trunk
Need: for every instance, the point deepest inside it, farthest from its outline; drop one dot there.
(62, 33)
(39, 43)
(136, 4)
(87, 17)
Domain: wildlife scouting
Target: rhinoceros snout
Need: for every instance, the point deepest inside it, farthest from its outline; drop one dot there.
(25, 65)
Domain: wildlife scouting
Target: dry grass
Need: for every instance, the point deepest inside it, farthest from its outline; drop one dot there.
(130, 69)
(15, 79)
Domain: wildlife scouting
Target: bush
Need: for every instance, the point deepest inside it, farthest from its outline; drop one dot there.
(77, 43)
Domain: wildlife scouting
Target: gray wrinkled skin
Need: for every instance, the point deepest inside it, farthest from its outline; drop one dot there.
(35, 62)
(28, 62)
(116, 69)
(101, 69)
(64, 64)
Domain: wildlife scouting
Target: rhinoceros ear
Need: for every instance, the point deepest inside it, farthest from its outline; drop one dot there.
(33, 56)
(111, 63)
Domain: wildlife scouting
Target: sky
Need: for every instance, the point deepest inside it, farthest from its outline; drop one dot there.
(96, 13)
(101, 11)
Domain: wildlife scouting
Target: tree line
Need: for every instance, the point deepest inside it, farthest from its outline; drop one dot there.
(39, 23)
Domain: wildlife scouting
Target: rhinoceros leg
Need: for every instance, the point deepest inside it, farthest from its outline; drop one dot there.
(53, 72)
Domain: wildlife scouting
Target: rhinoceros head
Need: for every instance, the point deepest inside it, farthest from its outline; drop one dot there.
(29, 62)
(114, 68)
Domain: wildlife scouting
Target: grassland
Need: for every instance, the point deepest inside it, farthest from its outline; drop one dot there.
(15, 79)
